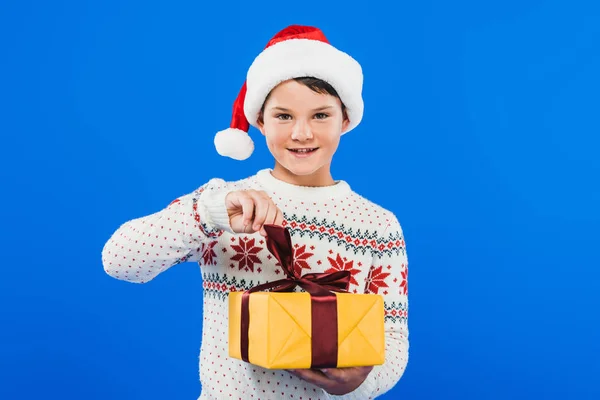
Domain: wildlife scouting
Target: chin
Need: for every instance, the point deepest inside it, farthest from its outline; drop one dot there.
(302, 170)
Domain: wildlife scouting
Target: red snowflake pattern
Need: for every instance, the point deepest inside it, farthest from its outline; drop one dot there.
(404, 284)
(246, 254)
(339, 264)
(376, 280)
(208, 253)
(300, 257)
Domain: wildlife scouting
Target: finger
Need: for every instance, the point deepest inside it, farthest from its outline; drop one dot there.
(344, 375)
(272, 214)
(315, 377)
(247, 204)
(261, 209)
(278, 220)
(335, 374)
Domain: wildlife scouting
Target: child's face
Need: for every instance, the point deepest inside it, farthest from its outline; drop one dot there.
(296, 117)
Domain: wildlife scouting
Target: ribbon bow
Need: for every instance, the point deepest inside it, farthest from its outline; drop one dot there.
(323, 301)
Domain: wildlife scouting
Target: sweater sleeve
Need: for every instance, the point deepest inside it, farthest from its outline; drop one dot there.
(388, 276)
(142, 248)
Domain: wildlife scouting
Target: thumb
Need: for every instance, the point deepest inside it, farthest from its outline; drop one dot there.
(333, 373)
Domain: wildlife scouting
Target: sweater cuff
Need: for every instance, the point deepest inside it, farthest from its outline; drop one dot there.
(217, 217)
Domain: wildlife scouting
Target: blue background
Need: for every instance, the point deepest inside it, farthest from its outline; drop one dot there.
(480, 132)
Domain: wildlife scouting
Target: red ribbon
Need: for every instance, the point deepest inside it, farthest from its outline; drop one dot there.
(323, 301)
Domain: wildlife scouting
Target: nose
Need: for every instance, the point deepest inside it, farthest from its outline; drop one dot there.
(301, 130)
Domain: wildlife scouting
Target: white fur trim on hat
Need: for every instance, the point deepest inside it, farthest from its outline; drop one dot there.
(295, 58)
(234, 143)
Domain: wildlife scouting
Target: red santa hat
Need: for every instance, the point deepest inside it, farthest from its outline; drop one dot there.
(296, 51)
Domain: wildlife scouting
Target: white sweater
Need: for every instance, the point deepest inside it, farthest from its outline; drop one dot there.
(332, 228)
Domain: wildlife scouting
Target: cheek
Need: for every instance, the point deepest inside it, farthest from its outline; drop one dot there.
(277, 135)
(330, 135)
(334, 142)
(331, 128)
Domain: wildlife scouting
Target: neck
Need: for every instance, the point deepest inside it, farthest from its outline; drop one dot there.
(321, 177)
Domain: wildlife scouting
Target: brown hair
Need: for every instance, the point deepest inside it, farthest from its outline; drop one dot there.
(314, 84)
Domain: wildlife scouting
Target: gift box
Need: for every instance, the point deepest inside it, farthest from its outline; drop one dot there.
(323, 326)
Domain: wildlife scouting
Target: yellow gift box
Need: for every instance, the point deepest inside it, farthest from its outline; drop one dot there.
(279, 335)
(323, 327)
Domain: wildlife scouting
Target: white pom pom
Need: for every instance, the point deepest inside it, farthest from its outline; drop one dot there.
(234, 143)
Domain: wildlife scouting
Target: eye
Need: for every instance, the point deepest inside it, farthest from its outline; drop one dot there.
(283, 117)
(321, 115)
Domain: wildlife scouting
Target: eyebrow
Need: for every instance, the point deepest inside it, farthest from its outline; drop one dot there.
(316, 109)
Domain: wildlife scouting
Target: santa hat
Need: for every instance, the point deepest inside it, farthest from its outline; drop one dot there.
(296, 51)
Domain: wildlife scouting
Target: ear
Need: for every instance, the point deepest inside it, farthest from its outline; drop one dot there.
(345, 124)
(261, 127)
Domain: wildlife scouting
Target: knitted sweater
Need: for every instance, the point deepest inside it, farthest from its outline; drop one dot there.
(332, 228)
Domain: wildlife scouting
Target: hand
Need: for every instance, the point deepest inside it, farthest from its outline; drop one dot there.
(249, 210)
(335, 381)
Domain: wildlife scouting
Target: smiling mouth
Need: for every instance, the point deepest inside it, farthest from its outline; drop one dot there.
(303, 151)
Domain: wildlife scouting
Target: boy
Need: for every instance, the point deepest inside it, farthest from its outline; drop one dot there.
(302, 94)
